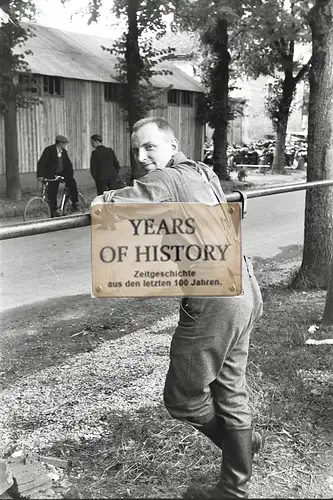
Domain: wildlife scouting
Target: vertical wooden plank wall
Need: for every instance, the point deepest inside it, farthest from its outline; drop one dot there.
(115, 130)
(199, 136)
(54, 121)
(83, 112)
(2, 145)
(235, 132)
(187, 129)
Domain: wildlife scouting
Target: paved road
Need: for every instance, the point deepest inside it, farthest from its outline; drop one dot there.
(51, 265)
(273, 223)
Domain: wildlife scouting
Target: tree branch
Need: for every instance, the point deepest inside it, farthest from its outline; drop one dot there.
(292, 49)
(234, 35)
(277, 44)
(302, 71)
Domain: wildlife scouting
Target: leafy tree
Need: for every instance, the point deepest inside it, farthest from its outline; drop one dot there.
(257, 37)
(318, 229)
(12, 36)
(266, 46)
(213, 21)
(217, 100)
(137, 57)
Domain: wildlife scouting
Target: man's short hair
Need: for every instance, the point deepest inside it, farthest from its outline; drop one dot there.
(96, 137)
(162, 124)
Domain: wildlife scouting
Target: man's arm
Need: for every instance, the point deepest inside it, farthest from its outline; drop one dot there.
(93, 165)
(42, 162)
(115, 161)
(68, 166)
(149, 189)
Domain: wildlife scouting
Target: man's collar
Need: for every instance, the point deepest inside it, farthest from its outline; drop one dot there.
(177, 158)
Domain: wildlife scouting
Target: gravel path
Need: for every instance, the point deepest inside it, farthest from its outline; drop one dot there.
(68, 401)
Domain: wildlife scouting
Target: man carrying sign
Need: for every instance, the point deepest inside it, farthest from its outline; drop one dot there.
(205, 383)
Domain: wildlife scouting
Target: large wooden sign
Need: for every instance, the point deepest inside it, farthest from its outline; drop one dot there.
(168, 249)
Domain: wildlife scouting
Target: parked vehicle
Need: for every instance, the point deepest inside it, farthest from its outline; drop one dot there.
(261, 152)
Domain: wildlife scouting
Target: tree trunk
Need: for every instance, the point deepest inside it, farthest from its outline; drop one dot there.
(318, 229)
(301, 163)
(13, 185)
(328, 311)
(280, 146)
(220, 159)
(282, 122)
(133, 68)
(220, 81)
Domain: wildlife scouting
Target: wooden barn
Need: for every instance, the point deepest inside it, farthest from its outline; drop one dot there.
(75, 81)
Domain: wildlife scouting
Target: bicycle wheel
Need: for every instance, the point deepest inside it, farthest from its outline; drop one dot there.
(82, 205)
(36, 209)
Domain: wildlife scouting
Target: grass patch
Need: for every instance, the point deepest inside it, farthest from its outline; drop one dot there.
(296, 396)
(146, 454)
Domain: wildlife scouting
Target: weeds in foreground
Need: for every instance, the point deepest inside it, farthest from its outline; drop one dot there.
(145, 455)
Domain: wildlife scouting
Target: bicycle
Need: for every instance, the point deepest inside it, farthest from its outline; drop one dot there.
(39, 208)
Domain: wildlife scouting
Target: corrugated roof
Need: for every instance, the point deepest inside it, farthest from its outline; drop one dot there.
(80, 56)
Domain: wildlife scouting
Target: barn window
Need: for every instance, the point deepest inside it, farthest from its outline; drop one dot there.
(186, 98)
(112, 92)
(180, 98)
(53, 85)
(174, 97)
(30, 83)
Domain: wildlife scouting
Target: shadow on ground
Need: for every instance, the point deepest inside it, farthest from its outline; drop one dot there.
(44, 334)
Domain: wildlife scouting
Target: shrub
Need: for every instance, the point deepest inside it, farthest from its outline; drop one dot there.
(242, 174)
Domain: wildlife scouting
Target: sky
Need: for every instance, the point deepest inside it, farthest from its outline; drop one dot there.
(73, 18)
(52, 13)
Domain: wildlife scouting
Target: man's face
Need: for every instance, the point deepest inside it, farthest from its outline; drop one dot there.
(63, 145)
(153, 148)
(94, 144)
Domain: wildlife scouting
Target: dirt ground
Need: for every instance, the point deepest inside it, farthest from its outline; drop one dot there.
(82, 379)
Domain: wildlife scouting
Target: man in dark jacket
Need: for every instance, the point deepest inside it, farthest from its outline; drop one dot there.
(55, 161)
(104, 166)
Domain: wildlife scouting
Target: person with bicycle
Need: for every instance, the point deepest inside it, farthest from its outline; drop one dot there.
(55, 162)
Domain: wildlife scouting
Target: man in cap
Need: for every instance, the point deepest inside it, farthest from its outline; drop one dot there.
(55, 161)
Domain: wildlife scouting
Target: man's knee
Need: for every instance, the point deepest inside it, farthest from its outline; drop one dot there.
(182, 413)
(195, 411)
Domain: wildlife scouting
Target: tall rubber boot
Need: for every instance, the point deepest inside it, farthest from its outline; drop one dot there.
(215, 433)
(236, 468)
